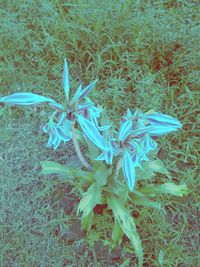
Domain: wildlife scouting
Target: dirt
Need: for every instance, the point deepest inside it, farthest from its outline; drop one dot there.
(165, 62)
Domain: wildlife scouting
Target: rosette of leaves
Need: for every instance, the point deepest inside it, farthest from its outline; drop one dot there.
(61, 125)
(101, 187)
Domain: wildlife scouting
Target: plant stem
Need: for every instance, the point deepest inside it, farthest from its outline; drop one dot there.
(78, 151)
(119, 164)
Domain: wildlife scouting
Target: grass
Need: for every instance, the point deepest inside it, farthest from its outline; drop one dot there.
(145, 54)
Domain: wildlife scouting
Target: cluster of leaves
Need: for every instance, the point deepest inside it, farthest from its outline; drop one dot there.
(101, 187)
(135, 137)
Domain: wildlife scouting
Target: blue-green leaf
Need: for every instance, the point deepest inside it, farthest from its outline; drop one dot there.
(162, 120)
(84, 106)
(125, 130)
(46, 128)
(119, 189)
(153, 130)
(80, 93)
(84, 175)
(76, 95)
(52, 138)
(25, 99)
(61, 134)
(128, 169)
(56, 142)
(63, 117)
(149, 144)
(91, 132)
(67, 125)
(56, 106)
(66, 79)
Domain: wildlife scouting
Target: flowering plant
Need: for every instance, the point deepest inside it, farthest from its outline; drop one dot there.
(127, 153)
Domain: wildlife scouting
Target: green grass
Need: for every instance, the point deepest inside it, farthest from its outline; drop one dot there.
(145, 54)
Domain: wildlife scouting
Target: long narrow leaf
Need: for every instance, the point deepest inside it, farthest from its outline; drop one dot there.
(51, 140)
(66, 79)
(84, 106)
(63, 117)
(76, 95)
(91, 132)
(87, 221)
(117, 234)
(166, 188)
(153, 130)
(126, 222)
(51, 167)
(56, 106)
(142, 201)
(46, 128)
(128, 169)
(80, 93)
(125, 130)
(162, 119)
(25, 99)
(56, 142)
(61, 134)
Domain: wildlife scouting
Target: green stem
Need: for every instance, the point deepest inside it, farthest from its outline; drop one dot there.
(119, 164)
(78, 151)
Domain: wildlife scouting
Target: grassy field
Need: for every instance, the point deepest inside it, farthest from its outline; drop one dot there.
(146, 55)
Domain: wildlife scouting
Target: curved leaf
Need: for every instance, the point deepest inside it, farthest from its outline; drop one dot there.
(87, 222)
(46, 128)
(126, 222)
(117, 234)
(142, 201)
(91, 132)
(80, 93)
(125, 130)
(62, 118)
(166, 188)
(84, 106)
(88, 176)
(61, 134)
(75, 97)
(89, 200)
(162, 119)
(101, 174)
(56, 106)
(25, 99)
(148, 169)
(51, 167)
(52, 139)
(56, 142)
(128, 168)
